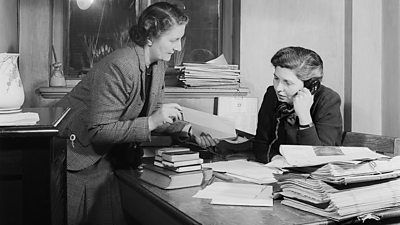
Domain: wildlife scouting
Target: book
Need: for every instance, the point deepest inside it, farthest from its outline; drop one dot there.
(182, 163)
(182, 169)
(180, 156)
(168, 179)
(160, 151)
(158, 163)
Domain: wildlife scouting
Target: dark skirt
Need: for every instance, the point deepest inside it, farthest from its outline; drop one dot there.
(93, 196)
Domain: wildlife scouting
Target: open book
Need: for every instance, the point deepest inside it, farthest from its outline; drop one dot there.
(304, 155)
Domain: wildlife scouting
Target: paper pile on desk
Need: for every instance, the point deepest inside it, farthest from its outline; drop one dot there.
(19, 119)
(216, 73)
(343, 184)
(222, 193)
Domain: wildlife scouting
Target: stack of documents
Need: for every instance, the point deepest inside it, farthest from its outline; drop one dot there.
(209, 75)
(19, 119)
(355, 171)
(339, 182)
(339, 204)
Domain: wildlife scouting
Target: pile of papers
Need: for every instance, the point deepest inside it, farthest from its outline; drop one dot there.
(213, 74)
(339, 182)
(19, 119)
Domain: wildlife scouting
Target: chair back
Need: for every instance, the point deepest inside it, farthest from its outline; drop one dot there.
(382, 144)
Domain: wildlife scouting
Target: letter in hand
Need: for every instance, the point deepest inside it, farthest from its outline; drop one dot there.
(205, 140)
(167, 113)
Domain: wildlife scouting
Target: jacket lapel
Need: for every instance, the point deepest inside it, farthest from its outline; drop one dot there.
(142, 67)
(156, 83)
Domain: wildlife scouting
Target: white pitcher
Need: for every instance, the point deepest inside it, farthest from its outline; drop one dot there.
(11, 90)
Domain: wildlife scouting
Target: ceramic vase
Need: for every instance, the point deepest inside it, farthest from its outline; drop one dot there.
(11, 89)
(57, 78)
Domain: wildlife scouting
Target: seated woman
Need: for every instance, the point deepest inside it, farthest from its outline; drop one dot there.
(297, 109)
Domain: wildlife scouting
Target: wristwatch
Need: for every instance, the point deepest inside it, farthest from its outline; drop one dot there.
(306, 126)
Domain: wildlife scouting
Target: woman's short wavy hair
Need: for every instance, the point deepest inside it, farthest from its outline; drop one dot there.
(304, 62)
(156, 19)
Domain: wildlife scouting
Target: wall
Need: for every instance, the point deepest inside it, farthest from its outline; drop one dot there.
(391, 68)
(267, 26)
(8, 26)
(35, 44)
(367, 66)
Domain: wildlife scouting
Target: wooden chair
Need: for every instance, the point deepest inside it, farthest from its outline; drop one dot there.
(381, 144)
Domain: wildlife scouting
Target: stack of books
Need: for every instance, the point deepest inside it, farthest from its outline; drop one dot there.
(174, 167)
(208, 75)
(340, 189)
(178, 159)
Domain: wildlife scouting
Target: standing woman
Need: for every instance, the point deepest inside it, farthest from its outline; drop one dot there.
(297, 109)
(114, 108)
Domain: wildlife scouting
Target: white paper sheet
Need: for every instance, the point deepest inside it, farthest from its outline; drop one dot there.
(245, 170)
(223, 193)
(216, 126)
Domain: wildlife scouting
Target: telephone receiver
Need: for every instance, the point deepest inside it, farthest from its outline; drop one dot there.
(285, 109)
(312, 84)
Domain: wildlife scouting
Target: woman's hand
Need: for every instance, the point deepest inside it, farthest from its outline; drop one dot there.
(167, 113)
(302, 103)
(205, 140)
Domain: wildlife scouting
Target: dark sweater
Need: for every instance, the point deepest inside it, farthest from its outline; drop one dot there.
(325, 113)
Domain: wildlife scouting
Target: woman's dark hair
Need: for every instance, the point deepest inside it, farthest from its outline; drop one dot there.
(156, 19)
(305, 63)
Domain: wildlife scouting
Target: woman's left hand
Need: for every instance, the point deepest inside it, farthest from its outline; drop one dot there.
(302, 103)
(205, 140)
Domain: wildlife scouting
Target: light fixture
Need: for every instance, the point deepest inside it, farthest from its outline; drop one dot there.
(84, 4)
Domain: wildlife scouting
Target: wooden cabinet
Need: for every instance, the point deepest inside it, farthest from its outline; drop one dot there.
(33, 171)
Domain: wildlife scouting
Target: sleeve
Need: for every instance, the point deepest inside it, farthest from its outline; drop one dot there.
(265, 126)
(327, 121)
(112, 86)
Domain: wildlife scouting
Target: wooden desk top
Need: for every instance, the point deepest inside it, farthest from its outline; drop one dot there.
(200, 211)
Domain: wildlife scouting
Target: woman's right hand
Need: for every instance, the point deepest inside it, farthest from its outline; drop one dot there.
(205, 140)
(167, 113)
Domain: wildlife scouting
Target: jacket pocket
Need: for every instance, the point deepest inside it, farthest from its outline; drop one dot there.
(79, 128)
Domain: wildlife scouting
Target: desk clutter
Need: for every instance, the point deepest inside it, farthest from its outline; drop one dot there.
(174, 167)
(355, 183)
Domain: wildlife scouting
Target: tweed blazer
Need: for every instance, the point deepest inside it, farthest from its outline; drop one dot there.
(106, 104)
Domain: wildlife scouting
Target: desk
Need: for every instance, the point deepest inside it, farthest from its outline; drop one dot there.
(147, 204)
(33, 171)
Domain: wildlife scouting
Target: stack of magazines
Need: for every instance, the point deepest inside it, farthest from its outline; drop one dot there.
(213, 74)
(340, 189)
